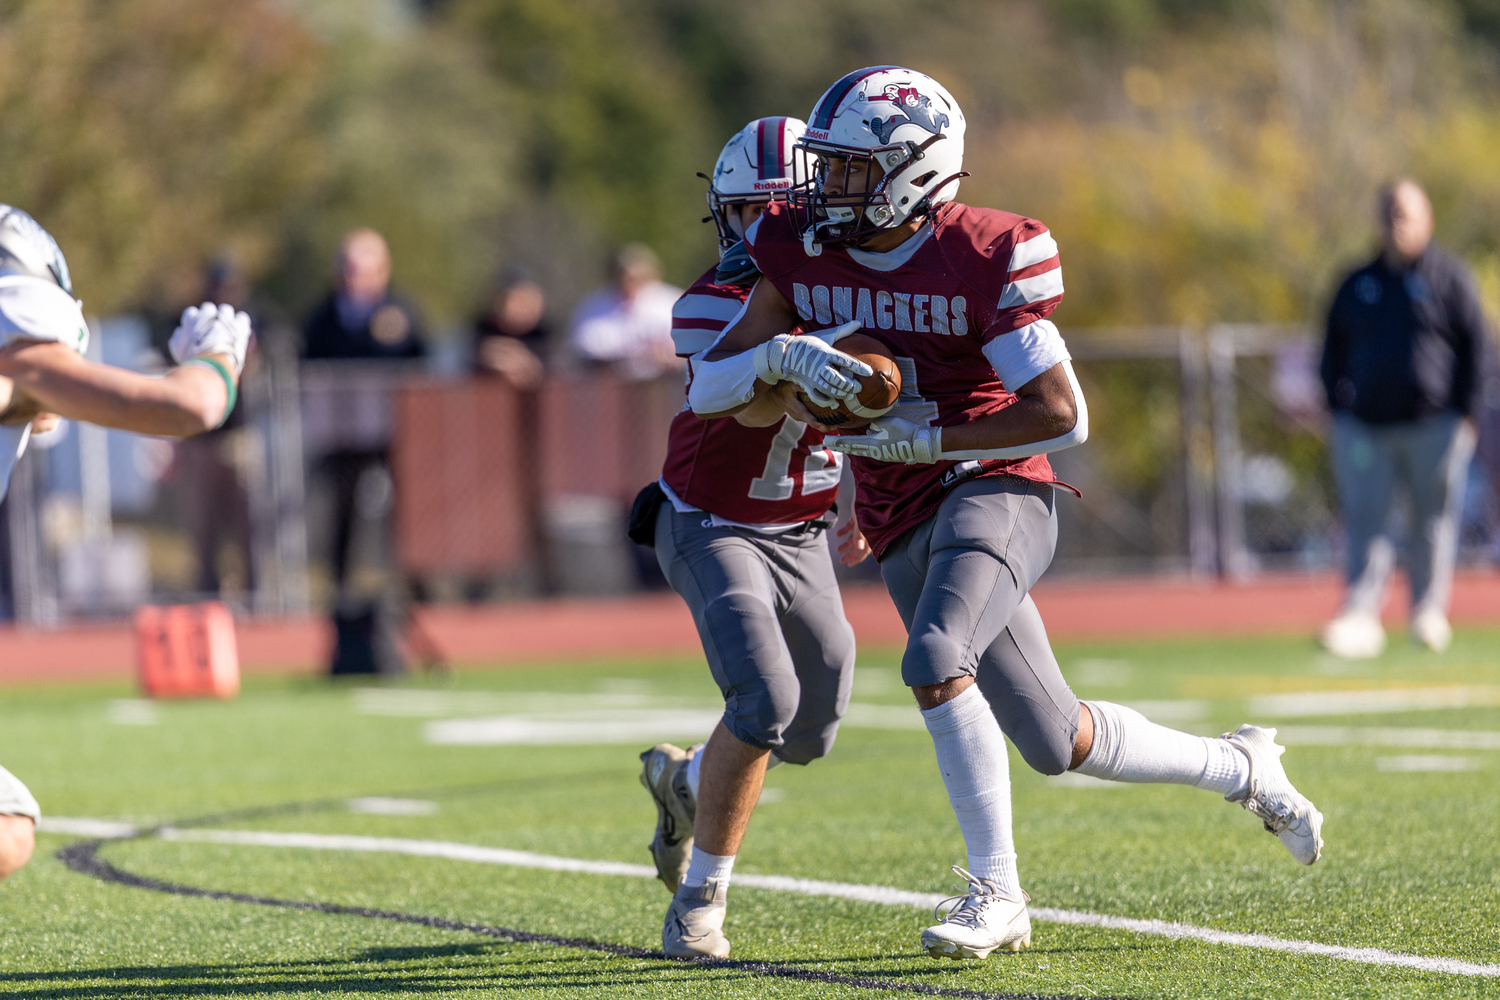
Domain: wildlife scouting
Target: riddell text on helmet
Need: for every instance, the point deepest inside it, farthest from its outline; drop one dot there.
(878, 309)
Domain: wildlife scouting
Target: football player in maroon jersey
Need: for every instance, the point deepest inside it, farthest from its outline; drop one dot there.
(739, 520)
(955, 492)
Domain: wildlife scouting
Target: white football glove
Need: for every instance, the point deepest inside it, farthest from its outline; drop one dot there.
(892, 439)
(211, 329)
(825, 374)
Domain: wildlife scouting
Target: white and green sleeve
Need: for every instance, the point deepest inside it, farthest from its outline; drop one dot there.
(15, 798)
(34, 309)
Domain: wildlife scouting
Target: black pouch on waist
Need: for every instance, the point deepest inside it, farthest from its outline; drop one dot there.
(642, 528)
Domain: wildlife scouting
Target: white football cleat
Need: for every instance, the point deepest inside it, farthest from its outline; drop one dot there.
(982, 921)
(695, 922)
(1354, 635)
(1430, 628)
(664, 773)
(1285, 811)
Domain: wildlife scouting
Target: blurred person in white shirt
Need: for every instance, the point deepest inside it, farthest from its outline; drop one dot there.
(627, 326)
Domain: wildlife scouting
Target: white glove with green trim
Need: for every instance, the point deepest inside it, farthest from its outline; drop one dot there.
(211, 329)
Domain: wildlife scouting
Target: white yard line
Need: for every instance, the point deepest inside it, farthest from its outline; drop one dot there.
(884, 895)
(1426, 739)
(1377, 701)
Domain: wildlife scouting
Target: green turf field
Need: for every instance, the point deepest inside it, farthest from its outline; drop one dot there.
(1412, 862)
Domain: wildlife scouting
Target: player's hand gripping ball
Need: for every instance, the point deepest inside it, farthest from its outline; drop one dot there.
(878, 390)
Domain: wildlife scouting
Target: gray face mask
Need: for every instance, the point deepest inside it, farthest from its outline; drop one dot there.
(12, 445)
(26, 248)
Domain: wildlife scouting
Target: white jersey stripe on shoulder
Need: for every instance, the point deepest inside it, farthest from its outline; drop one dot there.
(687, 340)
(1035, 250)
(1047, 285)
(698, 306)
(1024, 353)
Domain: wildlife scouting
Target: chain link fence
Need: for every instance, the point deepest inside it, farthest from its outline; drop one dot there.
(1207, 457)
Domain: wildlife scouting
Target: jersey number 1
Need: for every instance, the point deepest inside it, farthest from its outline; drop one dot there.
(774, 483)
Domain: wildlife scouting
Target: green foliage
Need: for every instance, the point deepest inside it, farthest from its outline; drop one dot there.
(608, 125)
(1198, 161)
(414, 132)
(148, 134)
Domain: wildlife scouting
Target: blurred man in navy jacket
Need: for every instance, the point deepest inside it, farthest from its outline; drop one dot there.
(1401, 366)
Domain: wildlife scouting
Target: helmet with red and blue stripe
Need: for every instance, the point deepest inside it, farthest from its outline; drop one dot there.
(755, 166)
(884, 144)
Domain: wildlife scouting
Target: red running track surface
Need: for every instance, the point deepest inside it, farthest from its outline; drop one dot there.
(658, 624)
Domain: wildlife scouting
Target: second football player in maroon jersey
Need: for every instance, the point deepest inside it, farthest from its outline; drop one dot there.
(956, 495)
(740, 530)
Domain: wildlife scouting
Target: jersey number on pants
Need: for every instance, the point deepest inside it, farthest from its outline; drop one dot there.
(820, 472)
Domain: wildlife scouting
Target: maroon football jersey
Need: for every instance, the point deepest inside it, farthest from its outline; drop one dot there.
(977, 275)
(780, 474)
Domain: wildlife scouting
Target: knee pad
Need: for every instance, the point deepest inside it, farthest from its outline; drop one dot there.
(758, 713)
(1044, 743)
(933, 657)
(753, 668)
(809, 738)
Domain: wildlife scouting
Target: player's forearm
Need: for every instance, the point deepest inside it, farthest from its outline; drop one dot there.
(765, 315)
(1049, 409)
(1023, 422)
(186, 401)
(762, 411)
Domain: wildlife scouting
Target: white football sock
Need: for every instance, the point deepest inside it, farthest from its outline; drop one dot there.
(1130, 747)
(976, 769)
(694, 769)
(704, 866)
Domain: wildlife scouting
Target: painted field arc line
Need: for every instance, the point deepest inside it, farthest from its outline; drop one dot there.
(884, 895)
(83, 857)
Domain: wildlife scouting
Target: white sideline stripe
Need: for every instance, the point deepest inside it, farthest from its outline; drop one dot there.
(80, 827)
(1379, 700)
(1425, 739)
(1163, 928)
(884, 895)
(401, 845)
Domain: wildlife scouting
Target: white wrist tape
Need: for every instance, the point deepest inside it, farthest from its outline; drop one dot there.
(721, 385)
(767, 358)
(1078, 435)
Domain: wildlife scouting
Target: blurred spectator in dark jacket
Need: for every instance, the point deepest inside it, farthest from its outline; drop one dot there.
(1402, 368)
(511, 338)
(362, 319)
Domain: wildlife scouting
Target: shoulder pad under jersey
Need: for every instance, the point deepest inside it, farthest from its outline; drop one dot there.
(33, 309)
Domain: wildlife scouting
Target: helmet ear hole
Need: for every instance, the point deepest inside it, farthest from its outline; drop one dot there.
(925, 179)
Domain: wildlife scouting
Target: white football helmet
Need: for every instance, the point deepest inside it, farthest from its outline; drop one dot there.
(26, 248)
(904, 128)
(755, 166)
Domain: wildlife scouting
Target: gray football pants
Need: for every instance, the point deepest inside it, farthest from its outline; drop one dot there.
(960, 581)
(772, 623)
(1430, 459)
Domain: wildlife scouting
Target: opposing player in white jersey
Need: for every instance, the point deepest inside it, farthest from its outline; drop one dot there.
(739, 521)
(956, 496)
(44, 376)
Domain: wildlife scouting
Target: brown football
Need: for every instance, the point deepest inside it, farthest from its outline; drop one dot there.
(879, 390)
